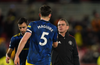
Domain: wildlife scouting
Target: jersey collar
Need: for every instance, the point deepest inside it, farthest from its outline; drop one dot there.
(45, 21)
(21, 34)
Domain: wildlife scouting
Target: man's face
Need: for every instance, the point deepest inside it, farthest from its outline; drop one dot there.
(62, 27)
(22, 27)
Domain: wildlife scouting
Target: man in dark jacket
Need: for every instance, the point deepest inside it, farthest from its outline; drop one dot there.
(66, 53)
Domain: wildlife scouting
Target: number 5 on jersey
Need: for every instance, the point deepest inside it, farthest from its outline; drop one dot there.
(44, 38)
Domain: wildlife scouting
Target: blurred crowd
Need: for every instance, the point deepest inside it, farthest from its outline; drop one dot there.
(59, 1)
(87, 35)
(85, 31)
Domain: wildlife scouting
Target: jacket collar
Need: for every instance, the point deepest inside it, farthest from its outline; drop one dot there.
(66, 35)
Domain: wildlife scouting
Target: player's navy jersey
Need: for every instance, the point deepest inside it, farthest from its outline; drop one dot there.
(43, 35)
(14, 44)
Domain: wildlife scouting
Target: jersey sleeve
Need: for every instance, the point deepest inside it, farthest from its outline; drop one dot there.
(12, 43)
(29, 28)
(55, 35)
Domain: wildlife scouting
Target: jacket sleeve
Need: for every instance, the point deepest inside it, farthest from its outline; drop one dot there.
(12, 43)
(75, 54)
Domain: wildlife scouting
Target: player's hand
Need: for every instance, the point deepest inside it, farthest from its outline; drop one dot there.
(7, 59)
(16, 60)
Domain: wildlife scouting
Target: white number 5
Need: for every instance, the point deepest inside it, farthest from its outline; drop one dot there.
(44, 38)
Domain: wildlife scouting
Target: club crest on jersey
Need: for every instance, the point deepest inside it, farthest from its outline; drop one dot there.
(70, 42)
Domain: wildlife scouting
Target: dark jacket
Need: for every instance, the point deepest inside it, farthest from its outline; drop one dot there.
(66, 53)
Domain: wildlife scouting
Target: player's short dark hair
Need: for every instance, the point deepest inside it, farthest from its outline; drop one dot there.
(63, 19)
(45, 10)
(22, 20)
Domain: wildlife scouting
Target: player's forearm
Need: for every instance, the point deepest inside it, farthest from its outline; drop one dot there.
(8, 54)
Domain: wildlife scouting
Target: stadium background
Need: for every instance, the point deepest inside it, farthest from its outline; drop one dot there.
(83, 16)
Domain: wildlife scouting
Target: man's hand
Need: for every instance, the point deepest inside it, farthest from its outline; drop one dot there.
(7, 59)
(17, 60)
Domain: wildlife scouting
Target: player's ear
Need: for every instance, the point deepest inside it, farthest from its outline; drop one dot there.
(39, 15)
(49, 15)
(67, 27)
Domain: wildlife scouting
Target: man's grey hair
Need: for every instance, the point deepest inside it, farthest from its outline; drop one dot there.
(63, 19)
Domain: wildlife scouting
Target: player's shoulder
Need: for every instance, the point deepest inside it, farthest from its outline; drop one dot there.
(53, 25)
(17, 35)
(32, 22)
